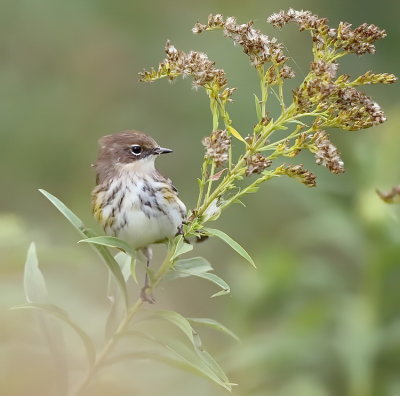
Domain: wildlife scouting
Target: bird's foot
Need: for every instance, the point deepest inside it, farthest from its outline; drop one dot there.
(146, 295)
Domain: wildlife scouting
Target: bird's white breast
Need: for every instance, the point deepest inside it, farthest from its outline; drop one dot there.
(141, 209)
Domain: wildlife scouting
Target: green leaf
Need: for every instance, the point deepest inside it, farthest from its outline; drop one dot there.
(182, 247)
(174, 358)
(179, 321)
(117, 310)
(62, 315)
(34, 283)
(197, 266)
(233, 244)
(193, 265)
(214, 325)
(124, 261)
(101, 250)
(258, 107)
(217, 281)
(199, 363)
(297, 122)
(111, 242)
(237, 135)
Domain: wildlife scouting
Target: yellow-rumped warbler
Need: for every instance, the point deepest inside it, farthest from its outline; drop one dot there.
(132, 200)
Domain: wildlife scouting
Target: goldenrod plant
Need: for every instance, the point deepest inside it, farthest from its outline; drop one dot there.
(325, 99)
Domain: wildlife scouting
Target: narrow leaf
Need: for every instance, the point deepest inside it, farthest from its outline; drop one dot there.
(117, 308)
(101, 250)
(34, 283)
(193, 265)
(217, 281)
(197, 266)
(258, 107)
(181, 248)
(297, 122)
(124, 261)
(218, 175)
(62, 315)
(235, 133)
(177, 320)
(111, 242)
(200, 363)
(214, 325)
(233, 244)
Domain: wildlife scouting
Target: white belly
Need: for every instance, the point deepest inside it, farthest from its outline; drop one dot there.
(143, 216)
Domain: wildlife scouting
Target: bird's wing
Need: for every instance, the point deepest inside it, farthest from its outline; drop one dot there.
(167, 180)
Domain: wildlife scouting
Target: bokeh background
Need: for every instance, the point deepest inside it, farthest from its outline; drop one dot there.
(320, 316)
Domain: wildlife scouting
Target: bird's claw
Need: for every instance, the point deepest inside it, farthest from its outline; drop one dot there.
(146, 295)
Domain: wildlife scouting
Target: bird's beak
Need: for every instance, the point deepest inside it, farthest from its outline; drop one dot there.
(161, 150)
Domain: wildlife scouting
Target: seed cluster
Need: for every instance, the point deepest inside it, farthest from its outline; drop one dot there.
(359, 40)
(344, 106)
(299, 173)
(194, 64)
(326, 97)
(217, 147)
(256, 163)
(327, 154)
(258, 46)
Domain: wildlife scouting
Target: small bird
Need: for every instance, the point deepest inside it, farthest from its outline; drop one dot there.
(132, 200)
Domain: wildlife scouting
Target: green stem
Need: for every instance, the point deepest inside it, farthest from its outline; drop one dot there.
(123, 326)
(264, 91)
(238, 169)
(210, 180)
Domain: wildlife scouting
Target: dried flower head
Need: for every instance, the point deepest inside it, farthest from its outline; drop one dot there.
(258, 46)
(217, 146)
(325, 69)
(194, 64)
(299, 173)
(256, 163)
(327, 154)
(359, 40)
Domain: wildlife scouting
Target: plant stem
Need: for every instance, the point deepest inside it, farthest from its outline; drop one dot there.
(133, 309)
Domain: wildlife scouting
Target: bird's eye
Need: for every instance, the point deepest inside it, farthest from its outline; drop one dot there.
(136, 149)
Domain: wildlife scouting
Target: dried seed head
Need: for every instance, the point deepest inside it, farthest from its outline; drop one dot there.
(297, 172)
(327, 154)
(322, 68)
(305, 19)
(258, 46)
(286, 72)
(354, 110)
(359, 40)
(194, 64)
(217, 147)
(256, 163)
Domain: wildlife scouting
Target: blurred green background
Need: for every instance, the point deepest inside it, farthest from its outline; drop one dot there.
(320, 316)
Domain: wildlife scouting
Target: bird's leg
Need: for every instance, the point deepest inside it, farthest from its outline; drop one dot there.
(145, 293)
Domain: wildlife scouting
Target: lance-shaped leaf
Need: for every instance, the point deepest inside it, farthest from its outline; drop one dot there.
(181, 247)
(214, 325)
(111, 242)
(36, 292)
(62, 315)
(205, 360)
(178, 356)
(34, 283)
(233, 244)
(101, 250)
(200, 267)
(237, 135)
(117, 309)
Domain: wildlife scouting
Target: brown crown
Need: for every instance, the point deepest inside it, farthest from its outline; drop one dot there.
(116, 149)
